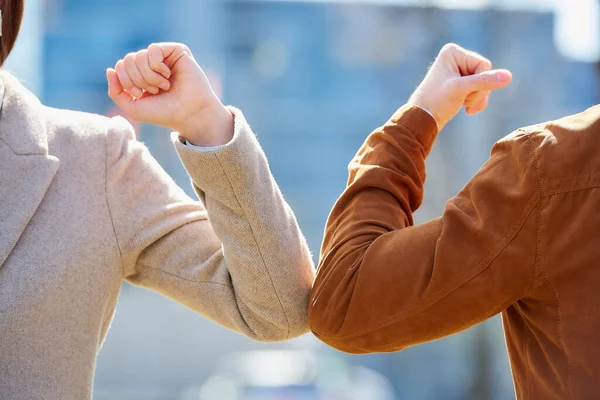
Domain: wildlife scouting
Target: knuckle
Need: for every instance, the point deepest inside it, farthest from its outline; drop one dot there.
(153, 63)
(141, 56)
(184, 48)
(119, 65)
(450, 48)
(129, 59)
(154, 53)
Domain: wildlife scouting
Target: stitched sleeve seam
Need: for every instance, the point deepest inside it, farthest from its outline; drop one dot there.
(260, 252)
(539, 262)
(182, 278)
(572, 189)
(590, 175)
(110, 214)
(537, 258)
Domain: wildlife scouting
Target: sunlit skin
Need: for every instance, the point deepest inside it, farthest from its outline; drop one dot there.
(164, 85)
(458, 78)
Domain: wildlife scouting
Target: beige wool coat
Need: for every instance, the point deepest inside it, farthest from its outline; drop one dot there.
(84, 206)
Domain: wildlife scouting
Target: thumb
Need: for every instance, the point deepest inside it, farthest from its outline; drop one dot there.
(488, 80)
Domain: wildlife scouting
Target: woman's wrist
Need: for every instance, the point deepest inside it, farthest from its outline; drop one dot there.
(213, 126)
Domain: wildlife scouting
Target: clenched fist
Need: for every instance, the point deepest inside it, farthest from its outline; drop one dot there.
(164, 85)
(458, 78)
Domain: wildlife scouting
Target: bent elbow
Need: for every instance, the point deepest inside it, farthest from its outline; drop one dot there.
(280, 331)
(357, 343)
(346, 345)
(270, 335)
(291, 319)
(327, 328)
(329, 325)
(281, 326)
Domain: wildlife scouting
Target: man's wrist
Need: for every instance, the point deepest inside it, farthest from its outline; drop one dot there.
(416, 101)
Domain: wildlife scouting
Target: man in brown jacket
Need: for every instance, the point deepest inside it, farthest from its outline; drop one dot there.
(521, 238)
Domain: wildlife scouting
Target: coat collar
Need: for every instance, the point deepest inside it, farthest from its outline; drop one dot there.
(22, 125)
(26, 168)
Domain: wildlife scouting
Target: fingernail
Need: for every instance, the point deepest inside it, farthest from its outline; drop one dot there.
(165, 86)
(137, 92)
(502, 76)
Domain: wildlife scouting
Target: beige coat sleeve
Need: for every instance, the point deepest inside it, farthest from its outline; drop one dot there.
(242, 261)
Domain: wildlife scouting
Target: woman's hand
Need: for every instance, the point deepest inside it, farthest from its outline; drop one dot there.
(458, 78)
(164, 85)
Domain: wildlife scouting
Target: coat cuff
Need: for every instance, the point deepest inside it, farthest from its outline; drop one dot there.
(222, 168)
(420, 122)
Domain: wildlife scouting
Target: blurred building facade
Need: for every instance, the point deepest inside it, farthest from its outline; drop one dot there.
(313, 79)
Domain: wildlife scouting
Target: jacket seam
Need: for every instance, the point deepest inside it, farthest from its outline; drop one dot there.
(572, 189)
(558, 335)
(110, 214)
(182, 278)
(541, 264)
(559, 319)
(590, 175)
(287, 335)
(536, 261)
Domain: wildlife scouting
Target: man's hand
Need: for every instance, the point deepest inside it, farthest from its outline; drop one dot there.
(458, 78)
(164, 85)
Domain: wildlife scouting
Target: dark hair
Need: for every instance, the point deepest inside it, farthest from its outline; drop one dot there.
(12, 15)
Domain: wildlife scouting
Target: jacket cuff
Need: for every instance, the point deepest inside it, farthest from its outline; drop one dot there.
(420, 122)
(219, 168)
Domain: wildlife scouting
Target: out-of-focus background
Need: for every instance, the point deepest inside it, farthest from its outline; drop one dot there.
(313, 78)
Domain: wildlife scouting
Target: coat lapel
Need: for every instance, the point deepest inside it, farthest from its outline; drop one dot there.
(26, 168)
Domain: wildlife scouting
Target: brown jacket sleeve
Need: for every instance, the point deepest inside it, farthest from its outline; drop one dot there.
(383, 284)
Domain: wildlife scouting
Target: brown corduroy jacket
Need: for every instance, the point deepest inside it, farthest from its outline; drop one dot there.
(522, 238)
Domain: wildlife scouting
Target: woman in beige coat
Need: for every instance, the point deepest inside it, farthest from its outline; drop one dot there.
(85, 206)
